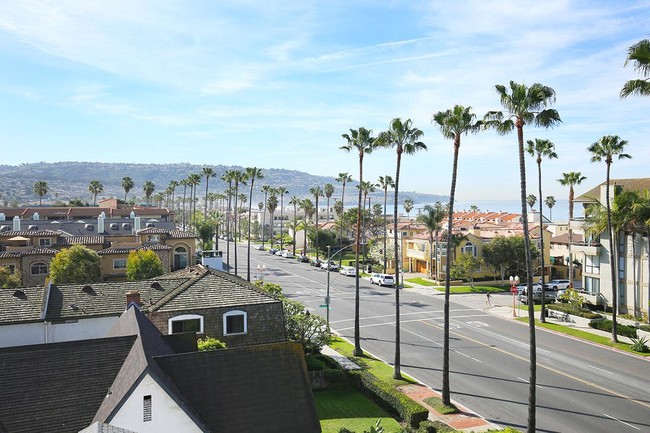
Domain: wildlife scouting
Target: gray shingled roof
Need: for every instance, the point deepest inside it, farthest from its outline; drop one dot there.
(57, 387)
(21, 305)
(80, 240)
(126, 250)
(26, 233)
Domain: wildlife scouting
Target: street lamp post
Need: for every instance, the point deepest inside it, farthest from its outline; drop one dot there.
(327, 296)
(513, 288)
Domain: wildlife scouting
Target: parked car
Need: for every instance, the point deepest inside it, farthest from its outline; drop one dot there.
(288, 254)
(279, 252)
(382, 279)
(315, 262)
(259, 247)
(559, 284)
(349, 271)
(549, 295)
(302, 258)
(273, 250)
(330, 266)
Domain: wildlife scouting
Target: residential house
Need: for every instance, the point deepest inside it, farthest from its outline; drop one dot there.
(138, 379)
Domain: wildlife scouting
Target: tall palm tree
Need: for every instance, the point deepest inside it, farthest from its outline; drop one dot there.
(639, 55)
(641, 211)
(608, 147)
(385, 182)
(266, 189)
(195, 180)
(550, 202)
(317, 192)
(239, 177)
(328, 190)
(541, 148)
(344, 178)
(272, 205)
(185, 184)
(405, 139)
(362, 141)
(432, 218)
(243, 198)
(228, 176)
(367, 188)
(208, 172)
(127, 185)
(531, 200)
(40, 189)
(173, 184)
(453, 124)
(281, 191)
(525, 105)
(571, 179)
(408, 207)
(304, 223)
(252, 174)
(95, 187)
(149, 187)
(294, 201)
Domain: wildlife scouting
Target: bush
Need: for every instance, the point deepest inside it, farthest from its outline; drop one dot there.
(335, 376)
(571, 309)
(315, 363)
(209, 343)
(390, 398)
(645, 328)
(606, 325)
(640, 345)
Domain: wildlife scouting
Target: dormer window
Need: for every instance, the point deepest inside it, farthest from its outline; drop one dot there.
(114, 226)
(126, 226)
(44, 242)
(32, 227)
(148, 225)
(89, 227)
(4, 228)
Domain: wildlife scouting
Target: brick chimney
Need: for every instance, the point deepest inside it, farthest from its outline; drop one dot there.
(133, 296)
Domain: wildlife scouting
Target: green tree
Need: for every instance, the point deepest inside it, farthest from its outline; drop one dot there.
(77, 264)
(272, 204)
(344, 178)
(95, 187)
(204, 226)
(143, 264)
(550, 202)
(608, 147)
(207, 172)
(328, 191)
(531, 200)
(148, 188)
(8, 279)
(525, 106)
(405, 139)
(266, 189)
(40, 189)
(229, 176)
(310, 330)
(294, 201)
(209, 343)
(362, 141)
(173, 184)
(408, 207)
(541, 148)
(453, 124)
(571, 179)
(432, 218)
(639, 55)
(464, 267)
(317, 192)
(194, 180)
(280, 190)
(127, 185)
(385, 182)
(252, 174)
(507, 254)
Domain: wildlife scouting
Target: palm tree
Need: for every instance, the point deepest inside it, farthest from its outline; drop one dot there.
(272, 204)
(408, 207)
(328, 190)
(571, 179)
(639, 55)
(539, 148)
(195, 180)
(148, 189)
(173, 184)
(243, 198)
(641, 211)
(266, 189)
(344, 178)
(40, 189)
(432, 217)
(531, 200)
(366, 188)
(453, 124)
(304, 224)
(385, 182)
(127, 185)
(525, 105)
(95, 187)
(228, 176)
(185, 184)
(282, 191)
(252, 174)
(208, 172)
(405, 139)
(239, 177)
(608, 147)
(364, 143)
(294, 201)
(159, 198)
(550, 202)
(317, 192)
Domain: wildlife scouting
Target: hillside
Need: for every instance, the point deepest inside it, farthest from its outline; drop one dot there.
(69, 180)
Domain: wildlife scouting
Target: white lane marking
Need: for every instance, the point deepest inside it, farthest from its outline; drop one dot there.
(622, 422)
(599, 369)
(438, 343)
(522, 379)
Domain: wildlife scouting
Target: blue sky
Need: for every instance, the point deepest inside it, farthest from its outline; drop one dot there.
(275, 84)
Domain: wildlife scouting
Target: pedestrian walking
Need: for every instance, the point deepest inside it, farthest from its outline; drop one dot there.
(489, 299)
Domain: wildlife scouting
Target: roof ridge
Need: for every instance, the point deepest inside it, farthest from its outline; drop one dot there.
(173, 293)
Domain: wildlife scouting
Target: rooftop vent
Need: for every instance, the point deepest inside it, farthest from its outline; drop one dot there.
(150, 225)
(114, 226)
(126, 226)
(4, 228)
(32, 227)
(20, 294)
(74, 307)
(89, 227)
(89, 290)
(156, 285)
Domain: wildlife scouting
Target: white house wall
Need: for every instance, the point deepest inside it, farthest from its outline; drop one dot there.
(83, 329)
(22, 334)
(166, 415)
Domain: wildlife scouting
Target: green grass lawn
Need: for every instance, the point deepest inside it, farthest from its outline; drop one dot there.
(350, 409)
(421, 282)
(469, 289)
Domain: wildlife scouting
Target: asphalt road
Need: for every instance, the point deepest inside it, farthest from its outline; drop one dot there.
(581, 387)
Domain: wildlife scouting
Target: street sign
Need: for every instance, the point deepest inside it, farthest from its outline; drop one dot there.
(325, 306)
(513, 289)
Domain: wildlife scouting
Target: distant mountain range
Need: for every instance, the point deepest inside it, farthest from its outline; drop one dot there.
(69, 180)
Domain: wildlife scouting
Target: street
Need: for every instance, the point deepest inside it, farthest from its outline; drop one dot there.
(581, 386)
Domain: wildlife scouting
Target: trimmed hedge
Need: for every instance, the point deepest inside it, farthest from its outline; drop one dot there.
(606, 325)
(388, 397)
(568, 308)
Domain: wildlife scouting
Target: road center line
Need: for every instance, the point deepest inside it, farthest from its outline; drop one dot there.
(599, 369)
(622, 422)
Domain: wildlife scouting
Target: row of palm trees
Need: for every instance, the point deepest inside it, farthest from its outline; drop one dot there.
(96, 187)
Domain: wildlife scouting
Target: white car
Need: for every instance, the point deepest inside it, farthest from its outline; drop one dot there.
(259, 247)
(288, 254)
(559, 284)
(382, 279)
(349, 271)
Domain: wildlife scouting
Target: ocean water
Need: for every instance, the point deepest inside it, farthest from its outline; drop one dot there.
(559, 213)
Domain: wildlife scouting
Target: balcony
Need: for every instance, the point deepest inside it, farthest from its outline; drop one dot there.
(588, 248)
(417, 254)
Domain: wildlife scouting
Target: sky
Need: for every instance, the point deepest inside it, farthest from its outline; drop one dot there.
(275, 84)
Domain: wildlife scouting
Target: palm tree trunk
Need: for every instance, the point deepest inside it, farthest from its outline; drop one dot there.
(264, 216)
(316, 226)
(250, 223)
(571, 196)
(341, 225)
(228, 217)
(281, 222)
(542, 316)
(397, 374)
(357, 241)
(385, 230)
(612, 259)
(205, 204)
(235, 225)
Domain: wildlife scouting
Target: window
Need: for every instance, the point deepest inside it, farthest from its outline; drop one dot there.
(180, 257)
(146, 408)
(11, 268)
(44, 242)
(592, 264)
(185, 323)
(621, 257)
(469, 249)
(592, 285)
(234, 322)
(119, 264)
(38, 268)
(154, 239)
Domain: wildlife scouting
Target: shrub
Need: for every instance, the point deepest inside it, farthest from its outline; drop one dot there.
(571, 309)
(606, 325)
(645, 328)
(315, 363)
(209, 343)
(334, 376)
(640, 345)
(390, 398)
